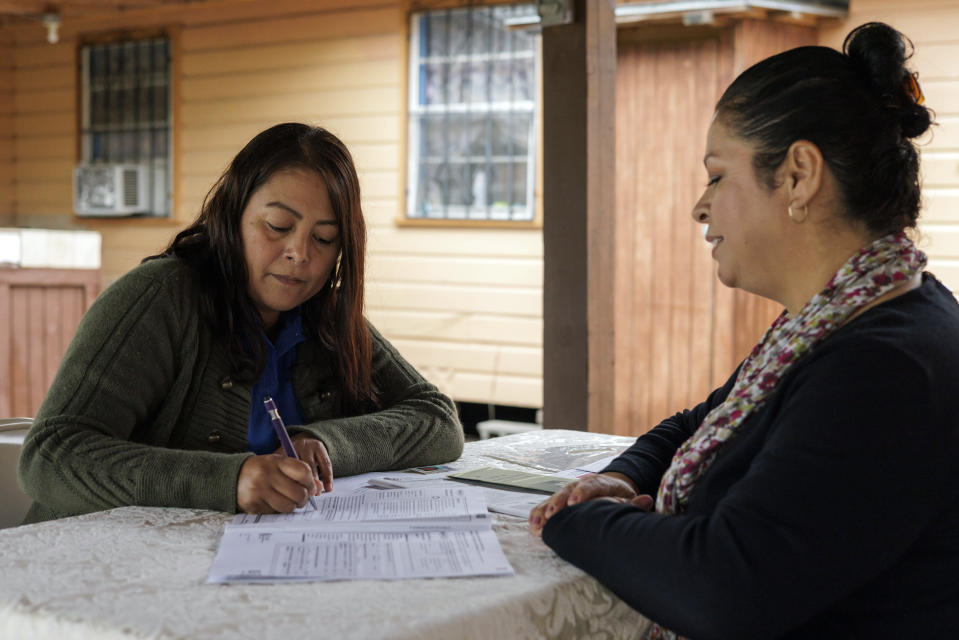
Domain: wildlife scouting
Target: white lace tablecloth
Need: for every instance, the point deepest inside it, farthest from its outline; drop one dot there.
(139, 572)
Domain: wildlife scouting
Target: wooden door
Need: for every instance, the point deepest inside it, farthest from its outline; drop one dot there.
(39, 313)
(680, 332)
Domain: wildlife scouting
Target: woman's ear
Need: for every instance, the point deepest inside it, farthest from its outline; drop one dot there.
(804, 167)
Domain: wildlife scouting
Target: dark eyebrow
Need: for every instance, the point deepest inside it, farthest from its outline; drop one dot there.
(296, 214)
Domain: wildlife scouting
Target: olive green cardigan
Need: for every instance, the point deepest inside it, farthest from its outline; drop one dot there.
(143, 410)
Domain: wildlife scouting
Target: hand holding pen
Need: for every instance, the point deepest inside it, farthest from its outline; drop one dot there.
(281, 483)
(284, 437)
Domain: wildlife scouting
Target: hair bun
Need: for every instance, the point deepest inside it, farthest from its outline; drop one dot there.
(914, 120)
(881, 53)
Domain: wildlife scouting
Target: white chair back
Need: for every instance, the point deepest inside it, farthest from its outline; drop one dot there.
(13, 502)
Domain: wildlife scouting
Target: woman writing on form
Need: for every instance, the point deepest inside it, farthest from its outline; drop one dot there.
(816, 493)
(159, 399)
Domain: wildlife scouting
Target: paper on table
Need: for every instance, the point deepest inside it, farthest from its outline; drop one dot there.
(280, 556)
(408, 480)
(424, 505)
(517, 504)
(508, 501)
(593, 467)
(355, 484)
(554, 459)
(512, 503)
(389, 534)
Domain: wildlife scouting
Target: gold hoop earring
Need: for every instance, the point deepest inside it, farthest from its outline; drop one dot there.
(798, 218)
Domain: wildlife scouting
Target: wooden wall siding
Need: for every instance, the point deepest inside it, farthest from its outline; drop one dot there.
(39, 312)
(933, 27)
(239, 78)
(660, 136)
(7, 169)
(44, 130)
(465, 304)
(686, 332)
(281, 34)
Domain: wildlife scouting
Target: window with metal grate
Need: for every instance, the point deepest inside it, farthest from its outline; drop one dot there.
(474, 86)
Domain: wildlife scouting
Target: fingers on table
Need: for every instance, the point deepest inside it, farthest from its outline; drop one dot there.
(545, 509)
(588, 487)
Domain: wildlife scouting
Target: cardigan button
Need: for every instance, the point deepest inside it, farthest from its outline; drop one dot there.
(227, 384)
(214, 437)
(326, 395)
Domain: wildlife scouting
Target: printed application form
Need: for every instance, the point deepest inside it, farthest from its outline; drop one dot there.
(424, 505)
(388, 535)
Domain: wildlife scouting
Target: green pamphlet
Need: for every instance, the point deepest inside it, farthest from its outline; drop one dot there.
(516, 480)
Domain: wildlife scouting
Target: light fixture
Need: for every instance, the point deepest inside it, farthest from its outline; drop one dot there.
(52, 22)
(702, 17)
(554, 12)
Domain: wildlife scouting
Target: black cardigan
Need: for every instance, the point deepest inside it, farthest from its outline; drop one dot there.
(833, 514)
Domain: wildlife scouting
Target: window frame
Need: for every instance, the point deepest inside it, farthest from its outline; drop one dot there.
(409, 142)
(172, 33)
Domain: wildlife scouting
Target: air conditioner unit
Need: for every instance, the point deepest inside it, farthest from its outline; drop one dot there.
(111, 189)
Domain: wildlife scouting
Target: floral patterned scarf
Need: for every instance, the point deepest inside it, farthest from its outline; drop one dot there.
(877, 269)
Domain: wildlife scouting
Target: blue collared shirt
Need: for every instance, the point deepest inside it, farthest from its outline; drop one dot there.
(276, 381)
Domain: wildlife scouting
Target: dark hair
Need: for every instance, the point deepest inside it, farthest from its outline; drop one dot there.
(858, 107)
(212, 245)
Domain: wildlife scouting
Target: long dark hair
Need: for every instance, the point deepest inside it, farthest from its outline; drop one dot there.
(861, 107)
(212, 245)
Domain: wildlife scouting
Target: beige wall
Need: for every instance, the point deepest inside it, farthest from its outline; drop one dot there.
(6, 131)
(463, 304)
(933, 27)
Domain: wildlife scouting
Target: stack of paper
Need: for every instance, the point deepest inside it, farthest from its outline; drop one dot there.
(427, 532)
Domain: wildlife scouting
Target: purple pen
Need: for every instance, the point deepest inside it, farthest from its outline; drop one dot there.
(282, 434)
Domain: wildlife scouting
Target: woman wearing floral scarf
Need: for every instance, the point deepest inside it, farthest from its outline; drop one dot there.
(816, 493)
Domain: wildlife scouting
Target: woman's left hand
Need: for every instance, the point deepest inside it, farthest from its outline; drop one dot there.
(609, 486)
(313, 452)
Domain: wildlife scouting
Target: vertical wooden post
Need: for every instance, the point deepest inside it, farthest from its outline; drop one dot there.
(579, 230)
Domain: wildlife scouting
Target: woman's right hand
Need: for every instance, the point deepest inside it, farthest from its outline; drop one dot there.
(613, 486)
(274, 483)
